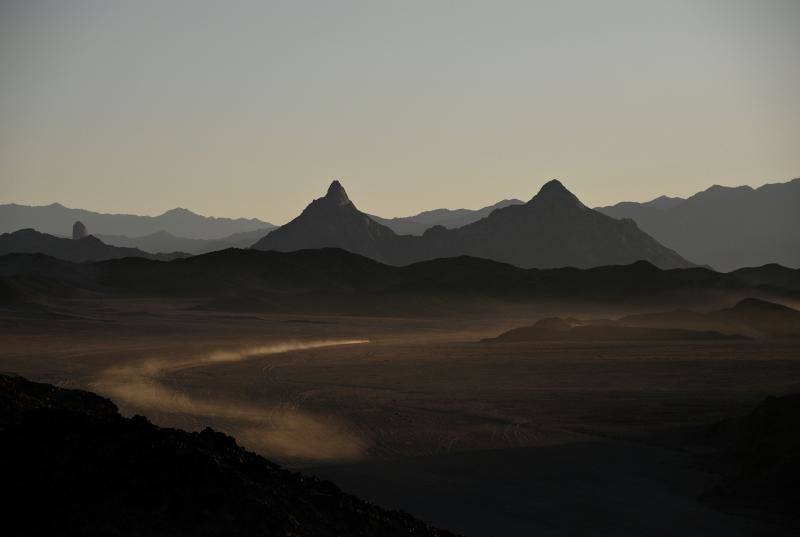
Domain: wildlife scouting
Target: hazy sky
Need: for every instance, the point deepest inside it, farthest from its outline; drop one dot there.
(234, 108)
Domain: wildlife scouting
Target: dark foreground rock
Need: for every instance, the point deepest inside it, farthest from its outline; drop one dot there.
(760, 460)
(72, 465)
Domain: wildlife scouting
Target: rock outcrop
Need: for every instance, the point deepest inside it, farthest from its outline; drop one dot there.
(79, 231)
(73, 466)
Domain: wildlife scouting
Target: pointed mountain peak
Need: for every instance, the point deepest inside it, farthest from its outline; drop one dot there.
(337, 194)
(554, 191)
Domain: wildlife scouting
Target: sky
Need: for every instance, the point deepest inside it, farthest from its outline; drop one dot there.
(251, 108)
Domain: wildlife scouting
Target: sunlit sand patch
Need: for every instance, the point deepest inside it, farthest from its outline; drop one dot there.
(272, 430)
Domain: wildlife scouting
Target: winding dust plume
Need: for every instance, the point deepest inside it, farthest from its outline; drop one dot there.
(276, 430)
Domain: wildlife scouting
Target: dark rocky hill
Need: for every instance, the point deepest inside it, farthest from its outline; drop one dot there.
(758, 460)
(71, 465)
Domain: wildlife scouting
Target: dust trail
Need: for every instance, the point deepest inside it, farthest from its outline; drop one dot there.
(272, 430)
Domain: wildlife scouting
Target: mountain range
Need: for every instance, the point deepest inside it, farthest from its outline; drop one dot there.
(725, 227)
(553, 229)
(336, 281)
(56, 219)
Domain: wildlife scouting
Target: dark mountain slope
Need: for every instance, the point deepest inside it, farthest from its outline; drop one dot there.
(725, 227)
(76, 467)
(88, 248)
(553, 229)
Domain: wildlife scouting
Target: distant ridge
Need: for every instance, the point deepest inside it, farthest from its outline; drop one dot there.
(334, 280)
(83, 249)
(56, 219)
(449, 218)
(553, 229)
(725, 227)
(164, 241)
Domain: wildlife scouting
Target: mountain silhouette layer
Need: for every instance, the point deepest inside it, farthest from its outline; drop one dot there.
(77, 467)
(334, 280)
(87, 248)
(56, 219)
(553, 229)
(725, 227)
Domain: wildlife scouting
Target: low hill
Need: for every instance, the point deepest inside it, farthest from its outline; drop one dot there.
(565, 330)
(751, 316)
(77, 467)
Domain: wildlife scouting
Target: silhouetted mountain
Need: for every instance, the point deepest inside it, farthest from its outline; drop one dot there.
(724, 227)
(163, 241)
(57, 220)
(553, 229)
(88, 248)
(448, 218)
(333, 280)
(333, 221)
(74, 466)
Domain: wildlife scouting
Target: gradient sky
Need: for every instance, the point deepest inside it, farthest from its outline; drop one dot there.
(236, 108)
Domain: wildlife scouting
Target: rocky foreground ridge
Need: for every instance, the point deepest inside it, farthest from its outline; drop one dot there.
(72, 465)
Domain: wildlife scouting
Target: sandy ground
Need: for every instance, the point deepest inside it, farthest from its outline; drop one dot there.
(513, 439)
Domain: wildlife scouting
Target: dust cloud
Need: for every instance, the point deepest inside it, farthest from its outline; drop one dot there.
(276, 430)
